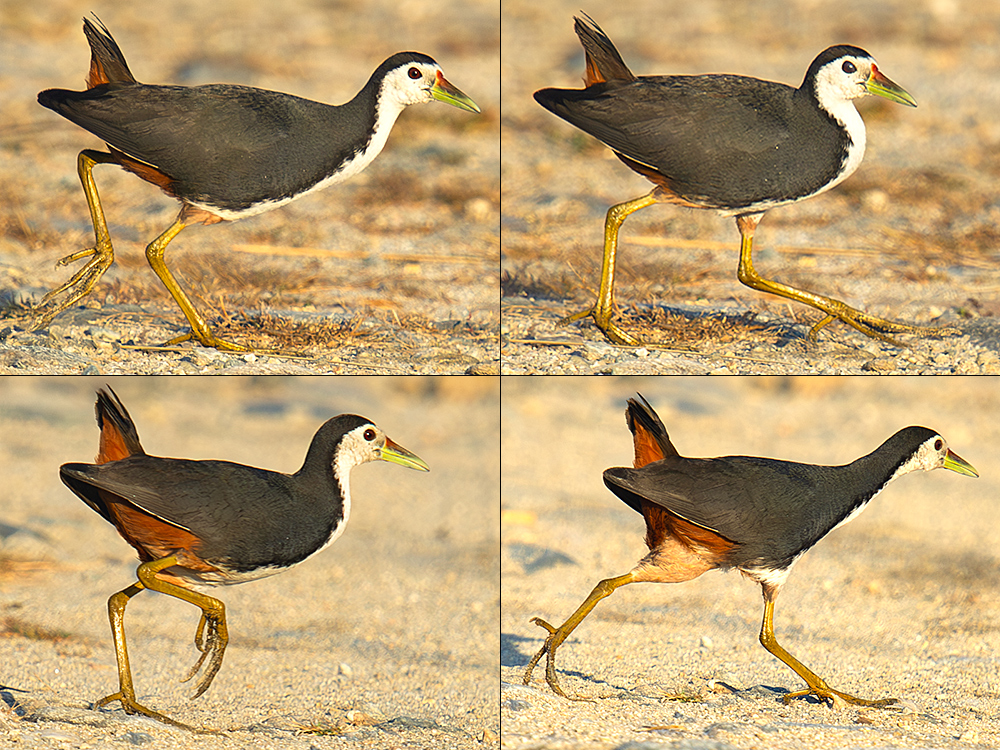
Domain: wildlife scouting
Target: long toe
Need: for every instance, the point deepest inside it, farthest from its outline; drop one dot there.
(855, 701)
(618, 336)
(132, 707)
(836, 697)
(880, 329)
(612, 332)
(78, 287)
(208, 340)
(213, 668)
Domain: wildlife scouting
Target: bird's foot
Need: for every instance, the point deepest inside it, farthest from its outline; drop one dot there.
(132, 707)
(210, 639)
(79, 286)
(835, 697)
(549, 649)
(878, 328)
(602, 319)
(208, 339)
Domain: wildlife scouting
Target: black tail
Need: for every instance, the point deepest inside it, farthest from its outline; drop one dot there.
(107, 63)
(648, 433)
(604, 63)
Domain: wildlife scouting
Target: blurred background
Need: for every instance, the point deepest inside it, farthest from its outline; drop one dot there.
(914, 230)
(416, 233)
(398, 617)
(903, 600)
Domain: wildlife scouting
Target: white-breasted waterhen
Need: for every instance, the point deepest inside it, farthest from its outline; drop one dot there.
(737, 145)
(224, 151)
(211, 523)
(757, 515)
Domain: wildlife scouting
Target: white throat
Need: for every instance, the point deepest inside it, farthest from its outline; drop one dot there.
(342, 473)
(387, 110)
(846, 114)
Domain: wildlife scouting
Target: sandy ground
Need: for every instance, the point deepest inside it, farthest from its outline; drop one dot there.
(394, 270)
(911, 236)
(386, 640)
(904, 601)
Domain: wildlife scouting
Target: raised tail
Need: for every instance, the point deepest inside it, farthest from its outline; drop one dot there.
(604, 63)
(648, 433)
(119, 438)
(107, 63)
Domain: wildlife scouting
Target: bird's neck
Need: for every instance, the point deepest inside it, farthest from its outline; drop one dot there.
(379, 112)
(845, 115)
(865, 478)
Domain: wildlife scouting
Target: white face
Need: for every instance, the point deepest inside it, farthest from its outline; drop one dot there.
(843, 79)
(360, 445)
(930, 455)
(411, 84)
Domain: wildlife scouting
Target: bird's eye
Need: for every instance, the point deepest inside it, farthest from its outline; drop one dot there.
(369, 434)
(414, 73)
(938, 444)
(847, 67)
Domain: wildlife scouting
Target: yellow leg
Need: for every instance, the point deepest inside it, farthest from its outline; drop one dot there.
(213, 611)
(817, 686)
(199, 328)
(558, 635)
(876, 328)
(101, 255)
(604, 306)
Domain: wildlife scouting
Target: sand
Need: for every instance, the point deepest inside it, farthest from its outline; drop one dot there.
(391, 272)
(385, 640)
(911, 236)
(902, 602)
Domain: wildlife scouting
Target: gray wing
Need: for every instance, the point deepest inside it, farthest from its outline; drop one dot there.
(757, 502)
(708, 135)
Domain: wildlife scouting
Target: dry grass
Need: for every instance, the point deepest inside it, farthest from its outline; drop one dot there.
(662, 326)
(526, 284)
(15, 627)
(265, 331)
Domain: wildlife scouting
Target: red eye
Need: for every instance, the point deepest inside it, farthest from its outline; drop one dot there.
(414, 73)
(369, 434)
(938, 444)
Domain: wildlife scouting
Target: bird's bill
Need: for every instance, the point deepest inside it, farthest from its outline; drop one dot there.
(879, 85)
(955, 462)
(397, 454)
(445, 92)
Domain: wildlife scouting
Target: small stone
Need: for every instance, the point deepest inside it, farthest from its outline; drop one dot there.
(359, 719)
(101, 333)
(345, 669)
(478, 209)
(57, 735)
(875, 200)
(879, 364)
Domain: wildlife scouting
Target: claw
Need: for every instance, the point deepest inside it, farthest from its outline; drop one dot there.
(602, 320)
(211, 642)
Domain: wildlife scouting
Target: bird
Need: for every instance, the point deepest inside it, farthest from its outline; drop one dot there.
(200, 524)
(755, 515)
(224, 151)
(733, 144)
